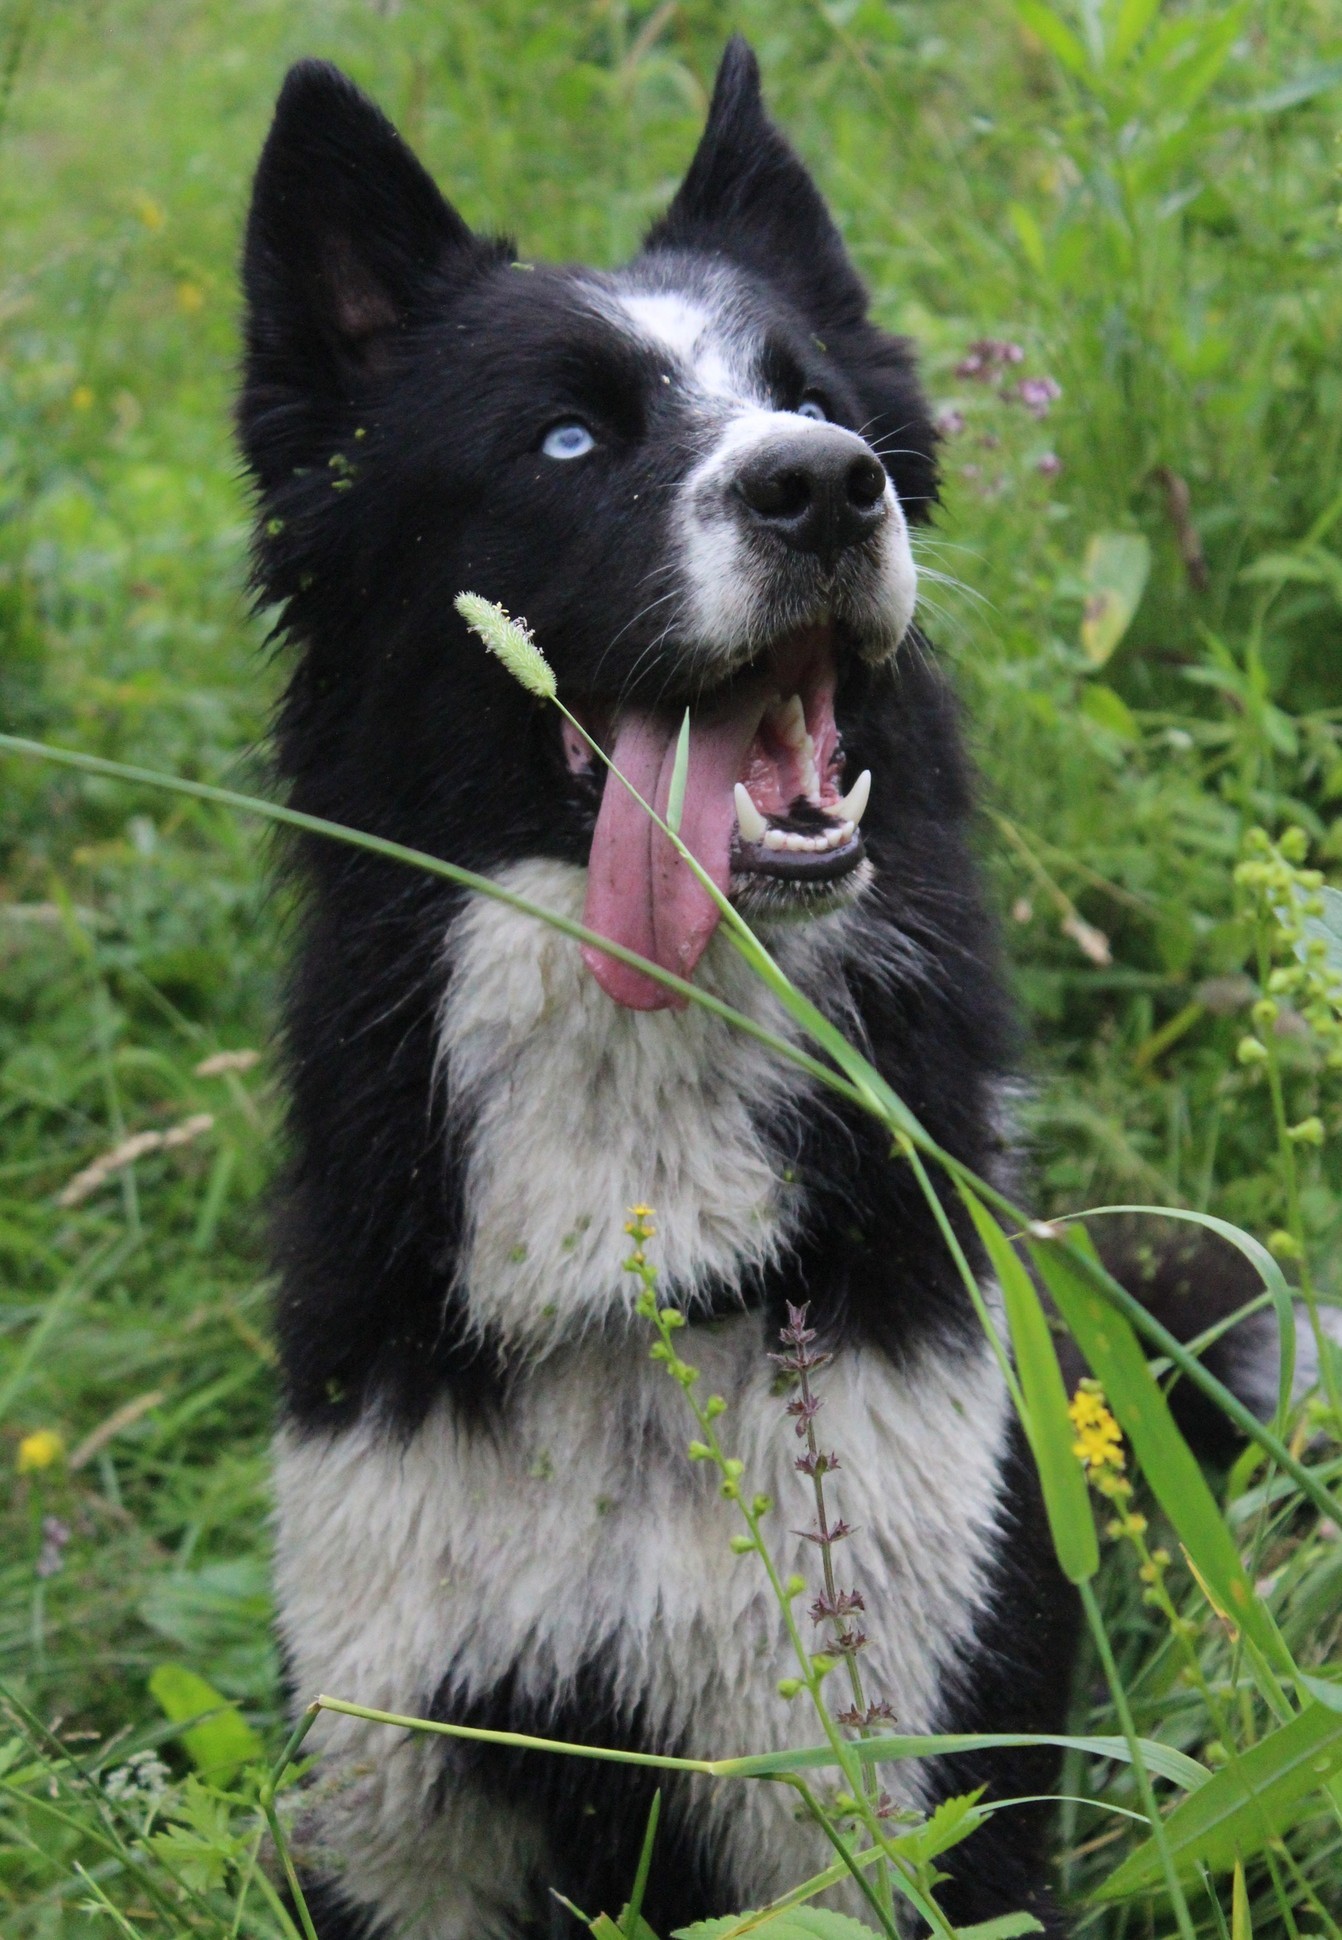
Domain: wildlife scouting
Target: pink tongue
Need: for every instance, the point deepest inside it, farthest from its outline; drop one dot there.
(639, 892)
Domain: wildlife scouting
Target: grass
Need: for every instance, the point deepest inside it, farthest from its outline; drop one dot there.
(1144, 199)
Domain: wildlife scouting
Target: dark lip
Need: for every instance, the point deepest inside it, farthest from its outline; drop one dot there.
(786, 865)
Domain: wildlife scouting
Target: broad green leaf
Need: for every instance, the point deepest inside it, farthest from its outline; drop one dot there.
(1234, 1814)
(1007, 1926)
(1163, 1760)
(1056, 35)
(797, 1923)
(221, 1741)
(1048, 1427)
(1117, 1360)
(675, 800)
(1109, 710)
(1114, 575)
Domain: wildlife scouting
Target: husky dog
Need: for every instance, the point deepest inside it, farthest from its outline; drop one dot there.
(697, 478)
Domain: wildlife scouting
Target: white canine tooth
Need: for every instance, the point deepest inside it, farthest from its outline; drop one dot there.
(833, 837)
(751, 823)
(810, 774)
(774, 839)
(790, 721)
(854, 804)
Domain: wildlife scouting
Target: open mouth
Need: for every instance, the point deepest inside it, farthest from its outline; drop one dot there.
(765, 814)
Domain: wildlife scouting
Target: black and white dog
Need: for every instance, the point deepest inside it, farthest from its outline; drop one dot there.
(696, 478)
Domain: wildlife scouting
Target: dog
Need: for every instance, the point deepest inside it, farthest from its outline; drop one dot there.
(701, 479)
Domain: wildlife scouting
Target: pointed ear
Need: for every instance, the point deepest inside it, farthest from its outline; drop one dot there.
(346, 240)
(751, 197)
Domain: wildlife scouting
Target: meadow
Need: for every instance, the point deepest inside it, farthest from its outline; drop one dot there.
(1113, 228)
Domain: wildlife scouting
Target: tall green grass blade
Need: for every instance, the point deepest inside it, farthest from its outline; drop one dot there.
(1267, 1269)
(675, 800)
(1116, 1357)
(630, 1920)
(1247, 1803)
(1048, 1426)
(1164, 1760)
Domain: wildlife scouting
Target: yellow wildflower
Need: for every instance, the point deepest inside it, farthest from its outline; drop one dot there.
(1099, 1439)
(151, 213)
(39, 1450)
(81, 398)
(190, 297)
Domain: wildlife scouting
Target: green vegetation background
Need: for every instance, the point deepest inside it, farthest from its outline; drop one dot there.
(1135, 581)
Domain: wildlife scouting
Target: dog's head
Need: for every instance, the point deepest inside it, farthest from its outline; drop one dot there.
(693, 476)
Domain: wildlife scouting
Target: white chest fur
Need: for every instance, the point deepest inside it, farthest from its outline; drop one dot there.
(580, 1535)
(571, 1109)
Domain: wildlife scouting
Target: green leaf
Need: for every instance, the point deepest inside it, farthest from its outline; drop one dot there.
(1290, 94)
(1114, 574)
(1134, 17)
(795, 1923)
(1116, 1357)
(1029, 235)
(219, 1741)
(953, 1820)
(1007, 1926)
(675, 800)
(1056, 35)
(1109, 710)
(1163, 1760)
(1048, 1426)
(1234, 1814)
(1325, 929)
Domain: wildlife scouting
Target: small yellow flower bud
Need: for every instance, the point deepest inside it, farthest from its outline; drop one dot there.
(796, 1585)
(742, 1545)
(790, 1687)
(700, 1452)
(39, 1450)
(1283, 1245)
(1265, 1013)
(1308, 1132)
(1250, 1051)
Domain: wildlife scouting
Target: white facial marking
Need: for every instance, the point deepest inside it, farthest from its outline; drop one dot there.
(581, 1535)
(699, 339)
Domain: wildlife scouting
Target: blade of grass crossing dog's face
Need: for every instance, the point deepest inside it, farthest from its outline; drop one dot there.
(1047, 1425)
(1247, 1804)
(1117, 1360)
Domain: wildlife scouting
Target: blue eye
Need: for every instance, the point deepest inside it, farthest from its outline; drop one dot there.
(811, 407)
(568, 441)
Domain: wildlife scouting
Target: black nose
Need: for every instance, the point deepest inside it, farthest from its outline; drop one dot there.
(819, 491)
